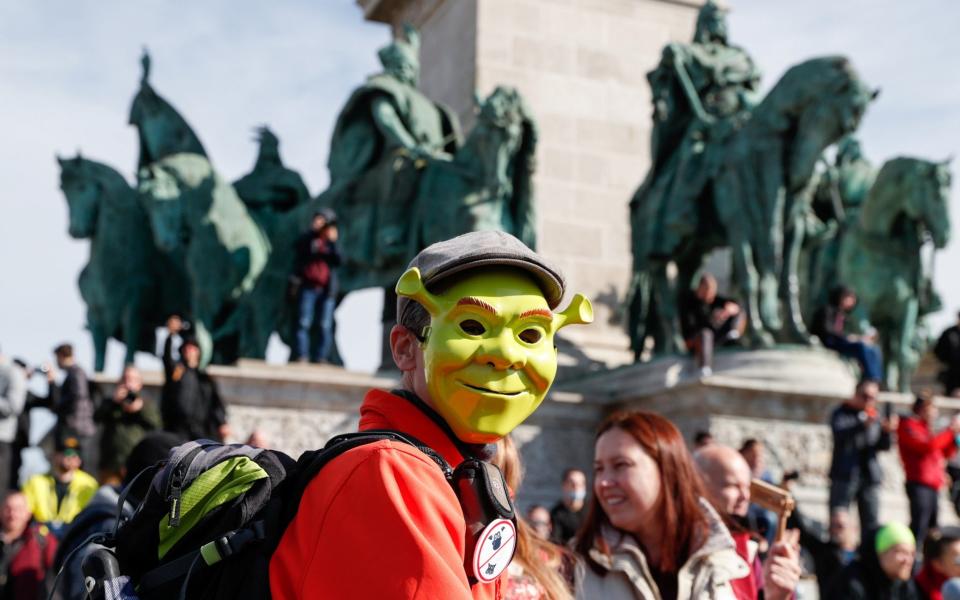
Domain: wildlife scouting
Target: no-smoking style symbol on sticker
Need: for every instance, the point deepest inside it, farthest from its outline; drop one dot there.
(496, 546)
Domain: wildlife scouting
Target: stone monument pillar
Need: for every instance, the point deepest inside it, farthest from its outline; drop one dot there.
(581, 65)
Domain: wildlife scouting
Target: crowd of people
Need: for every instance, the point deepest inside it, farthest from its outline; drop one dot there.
(656, 518)
(96, 444)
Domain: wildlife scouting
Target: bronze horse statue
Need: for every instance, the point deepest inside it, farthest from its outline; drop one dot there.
(195, 210)
(754, 204)
(127, 285)
(880, 258)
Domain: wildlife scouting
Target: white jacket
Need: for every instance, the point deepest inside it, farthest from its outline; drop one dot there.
(705, 576)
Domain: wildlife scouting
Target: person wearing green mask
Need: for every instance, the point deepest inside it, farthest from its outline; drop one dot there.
(474, 342)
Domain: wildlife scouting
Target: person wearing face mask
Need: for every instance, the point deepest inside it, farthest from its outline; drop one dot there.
(567, 514)
(649, 532)
(476, 318)
(941, 562)
(883, 571)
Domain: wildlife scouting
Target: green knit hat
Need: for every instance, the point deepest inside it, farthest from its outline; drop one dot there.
(892, 534)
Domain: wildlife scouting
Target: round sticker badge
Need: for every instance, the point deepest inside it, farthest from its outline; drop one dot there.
(495, 549)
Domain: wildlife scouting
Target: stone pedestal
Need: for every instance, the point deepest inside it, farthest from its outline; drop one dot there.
(782, 397)
(581, 65)
(300, 407)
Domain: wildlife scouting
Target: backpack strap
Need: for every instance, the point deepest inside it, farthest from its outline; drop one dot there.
(209, 554)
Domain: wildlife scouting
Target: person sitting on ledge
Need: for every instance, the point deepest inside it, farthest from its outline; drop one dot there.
(829, 324)
(706, 317)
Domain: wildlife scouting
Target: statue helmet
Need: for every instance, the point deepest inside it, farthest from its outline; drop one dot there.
(402, 51)
(709, 14)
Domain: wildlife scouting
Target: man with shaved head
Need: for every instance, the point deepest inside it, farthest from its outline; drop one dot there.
(706, 319)
(726, 476)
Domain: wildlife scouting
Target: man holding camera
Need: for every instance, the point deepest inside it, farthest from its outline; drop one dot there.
(859, 435)
(125, 421)
(317, 260)
(190, 401)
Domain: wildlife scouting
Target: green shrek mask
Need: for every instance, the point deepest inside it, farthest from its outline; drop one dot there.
(489, 351)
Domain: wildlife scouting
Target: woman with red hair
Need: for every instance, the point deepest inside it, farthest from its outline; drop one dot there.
(649, 533)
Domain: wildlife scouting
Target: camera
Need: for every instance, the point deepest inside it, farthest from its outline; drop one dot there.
(131, 397)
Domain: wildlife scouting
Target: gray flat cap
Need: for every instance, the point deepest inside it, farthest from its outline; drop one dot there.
(483, 249)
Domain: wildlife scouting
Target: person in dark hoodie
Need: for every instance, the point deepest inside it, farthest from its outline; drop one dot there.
(883, 571)
(190, 403)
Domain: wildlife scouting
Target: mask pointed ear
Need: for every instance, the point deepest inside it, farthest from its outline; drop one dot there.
(579, 312)
(411, 286)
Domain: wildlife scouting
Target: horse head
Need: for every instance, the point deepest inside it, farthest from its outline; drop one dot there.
(83, 191)
(827, 101)
(927, 196)
(161, 195)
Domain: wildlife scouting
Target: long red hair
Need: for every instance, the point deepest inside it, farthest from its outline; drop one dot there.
(680, 492)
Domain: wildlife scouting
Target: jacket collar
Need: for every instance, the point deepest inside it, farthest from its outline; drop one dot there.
(717, 548)
(403, 411)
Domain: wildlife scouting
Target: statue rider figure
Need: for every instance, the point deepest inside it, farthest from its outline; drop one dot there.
(383, 137)
(836, 205)
(702, 93)
(270, 188)
(162, 130)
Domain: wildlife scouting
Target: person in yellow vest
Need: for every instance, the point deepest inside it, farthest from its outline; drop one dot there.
(56, 498)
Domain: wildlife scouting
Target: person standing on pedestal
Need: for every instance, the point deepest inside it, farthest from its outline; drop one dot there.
(859, 434)
(924, 455)
(190, 403)
(318, 259)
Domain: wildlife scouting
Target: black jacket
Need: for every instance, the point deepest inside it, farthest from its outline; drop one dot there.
(863, 579)
(73, 403)
(855, 446)
(828, 558)
(190, 402)
(947, 351)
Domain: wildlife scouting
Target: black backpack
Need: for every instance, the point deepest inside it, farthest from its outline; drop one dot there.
(212, 518)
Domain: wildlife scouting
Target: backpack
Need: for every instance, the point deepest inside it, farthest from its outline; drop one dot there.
(211, 520)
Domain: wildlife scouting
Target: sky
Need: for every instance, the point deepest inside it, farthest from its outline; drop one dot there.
(69, 70)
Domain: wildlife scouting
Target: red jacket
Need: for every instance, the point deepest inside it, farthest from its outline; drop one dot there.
(29, 567)
(380, 521)
(930, 581)
(924, 454)
(747, 588)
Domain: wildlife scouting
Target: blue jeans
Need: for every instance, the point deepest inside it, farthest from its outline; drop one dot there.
(868, 355)
(312, 300)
